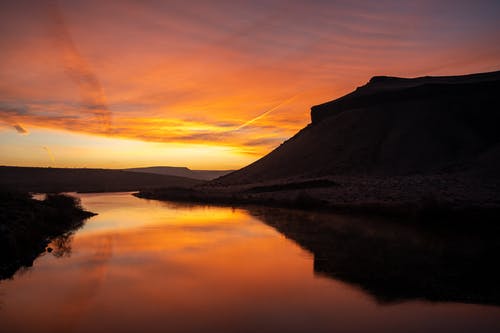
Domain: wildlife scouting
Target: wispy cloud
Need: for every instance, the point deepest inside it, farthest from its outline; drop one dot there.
(10, 115)
(79, 71)
(49, 153)
(20, 129)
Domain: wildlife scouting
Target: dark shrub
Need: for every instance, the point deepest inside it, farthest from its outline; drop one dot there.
(62, 201)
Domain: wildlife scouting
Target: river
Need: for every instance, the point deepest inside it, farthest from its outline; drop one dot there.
(150, 266)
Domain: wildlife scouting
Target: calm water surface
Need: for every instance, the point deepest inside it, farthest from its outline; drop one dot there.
(148, 266)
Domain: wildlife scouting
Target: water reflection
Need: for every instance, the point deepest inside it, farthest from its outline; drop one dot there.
(396, 261)
(148, 266)
(61, 246)
(18, 257)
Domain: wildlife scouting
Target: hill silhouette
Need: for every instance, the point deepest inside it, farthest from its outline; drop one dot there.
(32, 179)
(182, 172)
(392, 127)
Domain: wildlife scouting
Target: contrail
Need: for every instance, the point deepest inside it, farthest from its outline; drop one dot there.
(266, 113)
(79, 71)
(49, 152)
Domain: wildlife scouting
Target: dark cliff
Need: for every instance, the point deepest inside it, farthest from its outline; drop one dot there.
(393, 127)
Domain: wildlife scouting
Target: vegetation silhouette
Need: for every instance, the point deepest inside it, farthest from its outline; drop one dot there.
(28, 226)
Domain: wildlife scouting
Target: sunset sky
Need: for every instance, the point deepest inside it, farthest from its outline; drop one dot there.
(209, 84)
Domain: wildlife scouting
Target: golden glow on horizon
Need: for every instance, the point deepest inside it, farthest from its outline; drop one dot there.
(66, 149)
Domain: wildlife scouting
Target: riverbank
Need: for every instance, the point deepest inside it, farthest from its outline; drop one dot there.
(453, 196)
(27, 226)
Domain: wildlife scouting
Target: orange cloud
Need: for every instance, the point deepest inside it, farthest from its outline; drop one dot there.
(20, 129)
(78, 70)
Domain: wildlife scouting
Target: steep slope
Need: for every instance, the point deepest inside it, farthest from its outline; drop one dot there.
(392, 127)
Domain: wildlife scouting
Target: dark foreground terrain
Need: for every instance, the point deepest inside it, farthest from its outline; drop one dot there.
(27, 226)
(416, 197)
(420, 146)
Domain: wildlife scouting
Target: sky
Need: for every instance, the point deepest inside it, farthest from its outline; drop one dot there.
(209, 84)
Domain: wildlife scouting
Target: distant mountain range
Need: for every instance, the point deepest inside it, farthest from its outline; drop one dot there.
(182, 172)
(33, 179)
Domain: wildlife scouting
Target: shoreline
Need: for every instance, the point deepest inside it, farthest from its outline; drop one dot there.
(29, 225)
(354, 196)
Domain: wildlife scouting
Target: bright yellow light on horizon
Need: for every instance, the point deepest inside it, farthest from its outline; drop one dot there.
(68, 148)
